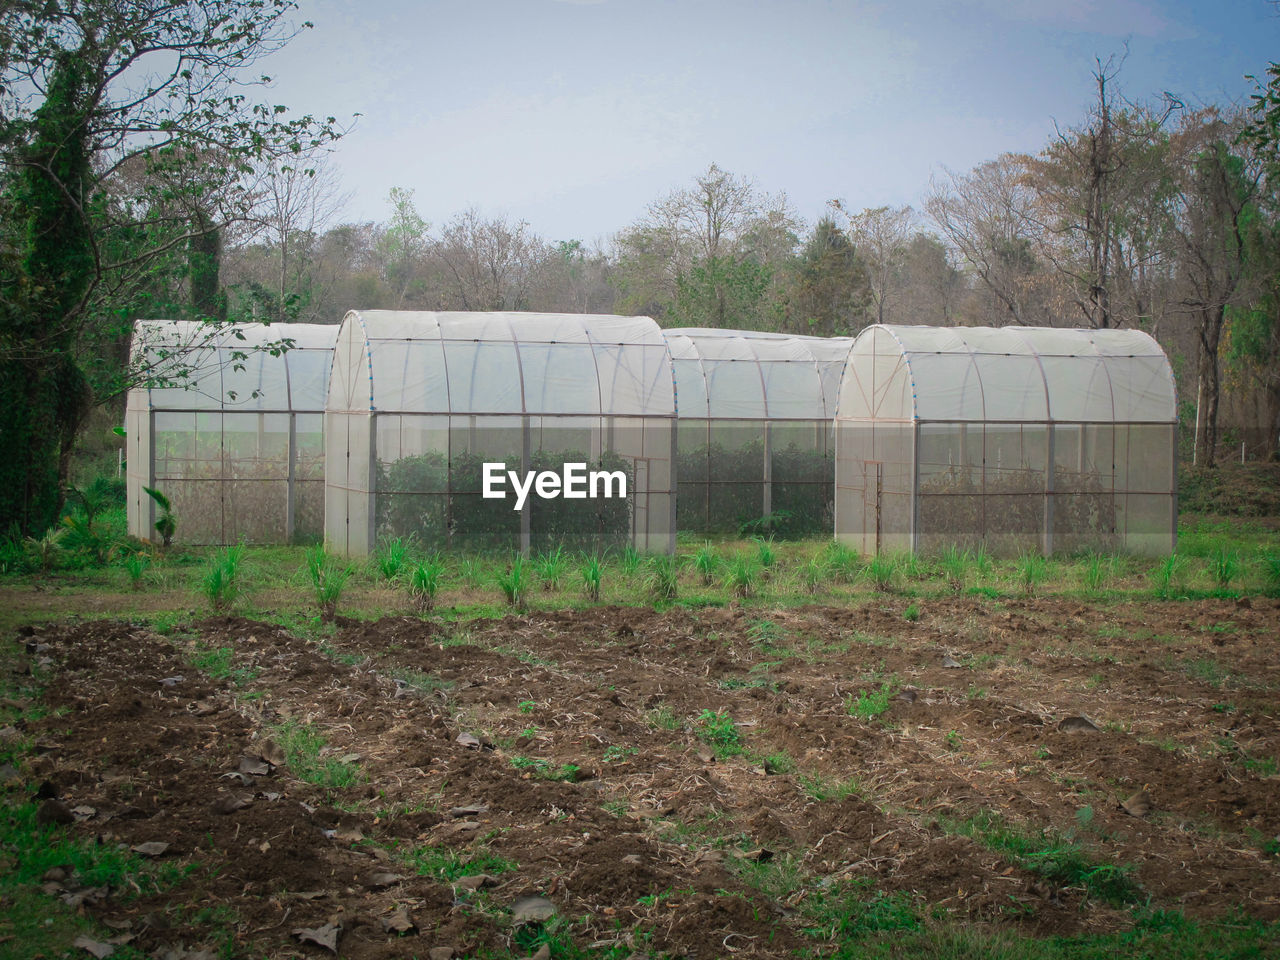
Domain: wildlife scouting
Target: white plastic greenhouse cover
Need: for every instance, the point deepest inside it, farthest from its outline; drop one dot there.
(1026, 374)
(226, 404)
(501, 363)
(197, 366)
(755, 375)
(1014, 438)
(412, 385)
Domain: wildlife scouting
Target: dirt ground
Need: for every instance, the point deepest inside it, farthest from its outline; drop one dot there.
(460, 733)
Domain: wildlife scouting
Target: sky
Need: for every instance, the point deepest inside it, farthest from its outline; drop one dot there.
(575, 115)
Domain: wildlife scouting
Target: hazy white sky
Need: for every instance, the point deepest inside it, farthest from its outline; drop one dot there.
(575, 114)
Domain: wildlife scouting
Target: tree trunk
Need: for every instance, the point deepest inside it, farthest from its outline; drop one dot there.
(1211, 321)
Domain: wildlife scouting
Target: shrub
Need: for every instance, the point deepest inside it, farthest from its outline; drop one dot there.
(47, 550)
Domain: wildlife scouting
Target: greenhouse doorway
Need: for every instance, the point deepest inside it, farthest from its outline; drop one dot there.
(874, 491)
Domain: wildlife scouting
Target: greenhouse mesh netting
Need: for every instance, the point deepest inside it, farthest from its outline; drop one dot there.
(1014, 438)
(755, 432)
(419, 402)
(228, 425)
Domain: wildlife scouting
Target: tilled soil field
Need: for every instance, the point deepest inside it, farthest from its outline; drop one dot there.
(683, 783)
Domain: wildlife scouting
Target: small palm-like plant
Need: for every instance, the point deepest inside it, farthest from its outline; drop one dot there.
(167, 524)
(630, 560)
(1097, 569)
(955, 564)
(843, 562)
(1226, 566)
(1166, 575)
(765, 553)
(135, 565)
(46, 551)
(1270, 563)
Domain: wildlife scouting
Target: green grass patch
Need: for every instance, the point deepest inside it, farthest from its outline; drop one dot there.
(1057, 857)
(218, 663)
(870, 704)
(717, 730)
(449, 865)
(546, 770)
(304, 748)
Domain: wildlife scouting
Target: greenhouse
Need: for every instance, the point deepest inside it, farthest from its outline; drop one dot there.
(230, 429)
(1015, 439)
(755, 430)
(439, 424)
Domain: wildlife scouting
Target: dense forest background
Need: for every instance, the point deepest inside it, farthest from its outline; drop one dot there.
(185, 199)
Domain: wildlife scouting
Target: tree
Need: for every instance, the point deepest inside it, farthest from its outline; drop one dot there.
(831, 291)
(709, 254)
(1252, 333)
(1095, 187)
(988, 216)
(491, 264)
(1218, 194)
(880, 235)
(1262, 130)
(932, 286)
(403, 244)
(91, 89)
(299, 198)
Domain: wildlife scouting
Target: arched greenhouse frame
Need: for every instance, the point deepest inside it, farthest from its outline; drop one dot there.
(228, 425)
(1014, 439)
(419, 402)
(755, 434)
